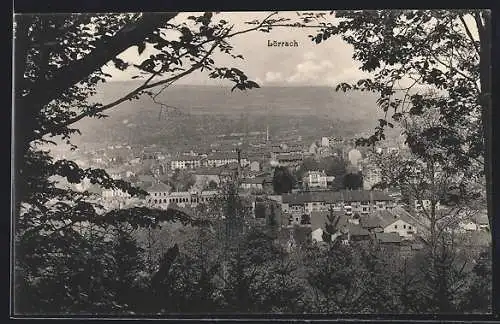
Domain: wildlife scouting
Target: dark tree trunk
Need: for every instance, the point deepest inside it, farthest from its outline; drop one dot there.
(484, 29)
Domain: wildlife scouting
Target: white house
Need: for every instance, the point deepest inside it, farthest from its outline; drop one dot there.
(468, 226)
(222, 158)
(315, 179)
(317, 235)
(392, 222)
(325, 142)
(114, 193)
(255, 166)
(403, 228)
(482, 221)
(313, 148)
(186, 162)
(252, 183)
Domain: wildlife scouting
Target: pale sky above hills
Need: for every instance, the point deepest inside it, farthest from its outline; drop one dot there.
(308, 64)
(325, 64)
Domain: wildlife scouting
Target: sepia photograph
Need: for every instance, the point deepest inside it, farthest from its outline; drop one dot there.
(271, 162)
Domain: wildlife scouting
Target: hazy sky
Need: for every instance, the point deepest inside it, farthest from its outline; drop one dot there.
(308, 64)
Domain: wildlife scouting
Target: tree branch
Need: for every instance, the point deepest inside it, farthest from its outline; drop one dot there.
(469, 34)
(137, 91)
(106, 49)
(170, 80)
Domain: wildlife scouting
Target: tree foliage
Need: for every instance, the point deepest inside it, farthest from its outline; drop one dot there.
(419, 60)
(353, 181)
(74, 256)
(59, 62)
(182, 180)
(283, 180)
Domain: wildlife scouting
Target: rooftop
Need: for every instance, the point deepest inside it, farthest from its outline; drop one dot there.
(256, 180)
(388, 237)
(335, 196)
(383, 218)
(289, 157)
(357, 230)
(207, 171)
(320, 218)
(187, 158)
(224, 156)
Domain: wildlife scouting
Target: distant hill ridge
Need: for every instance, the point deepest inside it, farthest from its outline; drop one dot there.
(277, 100)
(207, 109)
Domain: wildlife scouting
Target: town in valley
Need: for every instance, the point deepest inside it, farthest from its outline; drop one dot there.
(187, 180)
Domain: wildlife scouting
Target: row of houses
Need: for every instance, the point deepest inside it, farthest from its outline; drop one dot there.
(206, 160)
(348, 201)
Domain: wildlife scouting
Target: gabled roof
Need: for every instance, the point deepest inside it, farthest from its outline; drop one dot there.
(357, 230)
(335, 196)
(207, 171)
(383, 217)
(289, 157)
(223, 156)
(316, 172)
(369, 222)
(187, 158)
(388, 237)
(405, 216)
(320, 218)
(256, 180)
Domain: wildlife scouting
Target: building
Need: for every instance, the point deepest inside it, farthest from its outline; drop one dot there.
(157, 193)
(391, 221)
(253, 183)
(289, 159)
(325, 142)
(186, 162)
(482, 221)
(160, 198)
(313, 148)
(255, 166)
(221, 158)
(350, 202)
(319, 219)
(388, 240)
(356, 233)
(316, 179)
(339, 226)
(468, 226)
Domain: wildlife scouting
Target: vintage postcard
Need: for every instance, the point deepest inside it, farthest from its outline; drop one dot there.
(309, 162)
